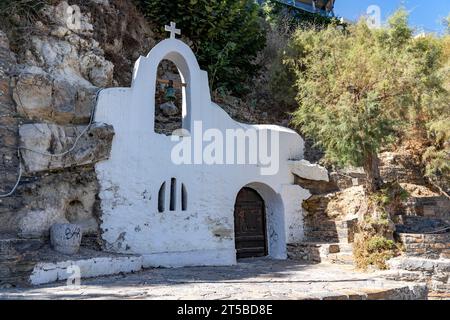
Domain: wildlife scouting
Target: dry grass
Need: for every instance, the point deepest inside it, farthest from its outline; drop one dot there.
(373, 251)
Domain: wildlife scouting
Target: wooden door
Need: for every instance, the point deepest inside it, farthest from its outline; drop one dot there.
(250, 224)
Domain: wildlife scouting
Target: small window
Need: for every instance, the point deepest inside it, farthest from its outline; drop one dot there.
(173, 194)
(162, 197)
(183, 197)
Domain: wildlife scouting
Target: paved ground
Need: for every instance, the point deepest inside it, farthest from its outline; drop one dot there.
(250, 279)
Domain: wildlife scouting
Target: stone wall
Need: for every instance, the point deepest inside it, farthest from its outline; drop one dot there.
(435, 207)
(431, 246)
(17, 259)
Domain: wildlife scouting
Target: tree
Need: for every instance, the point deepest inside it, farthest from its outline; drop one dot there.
(226, 35)
(437, 156)
(358, 87)
(447, 23)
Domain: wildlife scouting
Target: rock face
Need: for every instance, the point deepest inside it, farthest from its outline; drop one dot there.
(40, 96)
(48, 89)
(306, 170)
(66, 197)
(8, 121)
(65, 238)
(94, 145)
(70, 52)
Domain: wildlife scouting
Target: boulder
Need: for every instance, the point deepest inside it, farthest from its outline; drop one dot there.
(33, 93)
(305, 169)
(65, 238)
(4, 41)
(169, 108)
(97, 70)
(93, 146)
(39, 95)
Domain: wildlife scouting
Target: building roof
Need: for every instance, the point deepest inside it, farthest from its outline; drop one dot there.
(324, 7)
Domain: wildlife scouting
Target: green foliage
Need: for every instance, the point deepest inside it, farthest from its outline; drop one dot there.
(358, 88)
(282, 84)
(226, 35)
(399, 33)
(437, 156)
(283, 21)
(390, 193)
(447, 23)
(436, 114)
(17, 18)
(347, 91)
(20, 7)
(373, 251)
(378, 243)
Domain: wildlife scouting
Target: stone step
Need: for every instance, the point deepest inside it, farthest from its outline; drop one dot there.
(403, 275)
(339, 226)
(321, 252)
(25, 262)
(340, 258)
(17, 258)
(420, 264)
(435, 273)
(445, 254)
(86, 264)
(340, 235)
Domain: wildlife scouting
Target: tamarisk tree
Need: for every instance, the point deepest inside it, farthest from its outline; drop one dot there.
(356, 88)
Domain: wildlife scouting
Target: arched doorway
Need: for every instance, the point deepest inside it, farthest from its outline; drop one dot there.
(250, 224)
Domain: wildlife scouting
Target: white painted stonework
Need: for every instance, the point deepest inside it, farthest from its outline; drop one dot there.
(47, 272)
(140, 162)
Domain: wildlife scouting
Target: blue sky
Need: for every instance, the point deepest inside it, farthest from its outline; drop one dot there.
(426, 14)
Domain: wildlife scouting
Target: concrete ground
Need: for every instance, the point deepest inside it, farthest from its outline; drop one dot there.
(249, 279)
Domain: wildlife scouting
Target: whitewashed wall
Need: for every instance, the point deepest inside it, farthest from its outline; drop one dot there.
(140, 162)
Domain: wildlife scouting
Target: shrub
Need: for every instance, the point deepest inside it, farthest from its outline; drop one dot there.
(17, 19)
(22, 8)
(437, 156)
(373, 251)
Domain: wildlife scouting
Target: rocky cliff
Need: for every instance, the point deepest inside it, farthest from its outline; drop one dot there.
(52, 65)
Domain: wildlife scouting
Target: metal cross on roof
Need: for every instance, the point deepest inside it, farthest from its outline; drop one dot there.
(173, 30)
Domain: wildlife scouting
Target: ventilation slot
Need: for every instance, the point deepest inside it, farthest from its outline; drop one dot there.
(183, 197)
(162, 197)
(173, 194)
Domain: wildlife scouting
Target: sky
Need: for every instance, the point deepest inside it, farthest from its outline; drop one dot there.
(426, 15)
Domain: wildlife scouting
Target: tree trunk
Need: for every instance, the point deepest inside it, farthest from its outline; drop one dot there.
(372, 170)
